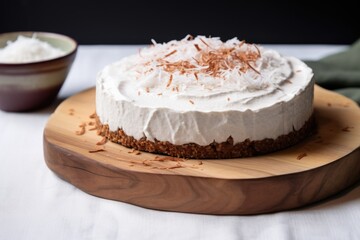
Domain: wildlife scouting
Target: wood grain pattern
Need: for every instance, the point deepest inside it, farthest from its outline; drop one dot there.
(316, 168)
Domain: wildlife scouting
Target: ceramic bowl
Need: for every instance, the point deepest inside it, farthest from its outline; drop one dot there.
(29, 86)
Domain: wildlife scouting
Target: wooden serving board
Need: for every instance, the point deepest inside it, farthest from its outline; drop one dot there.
(316, 168)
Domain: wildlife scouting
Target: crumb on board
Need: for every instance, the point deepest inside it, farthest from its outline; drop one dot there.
(82, 129)
(102, 141)
(71, 111)
(132, 150)
(97, 150)
(146, 163)
(346, 129)
(300, 156)
(177, 162)
(178, 165)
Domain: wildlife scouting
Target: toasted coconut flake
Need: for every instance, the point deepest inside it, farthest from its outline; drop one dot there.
(169, 54)
(258, 50)
(157, 158)
(93, 128)
(146, 163)
(176, 166)
(203, 41)
(97, 150)
(197, 47)
(196, 76)
(212, 61)
(170, 80)
(82, 129)
(80, 132)
(196, 60)
(252, 68)
(102, 142)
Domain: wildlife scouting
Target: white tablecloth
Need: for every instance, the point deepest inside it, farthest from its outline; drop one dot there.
(36, 204)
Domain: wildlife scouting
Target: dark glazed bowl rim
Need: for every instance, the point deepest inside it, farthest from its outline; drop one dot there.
(30, 64)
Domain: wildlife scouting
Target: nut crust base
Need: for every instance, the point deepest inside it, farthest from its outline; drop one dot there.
(214, 150)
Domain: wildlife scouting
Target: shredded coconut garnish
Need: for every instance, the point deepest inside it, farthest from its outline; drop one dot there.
(25, 50)
(211, 60)
(171, 53)
(170, 80)
(207, 63)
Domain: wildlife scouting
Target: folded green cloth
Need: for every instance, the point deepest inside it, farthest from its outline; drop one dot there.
(340, 72)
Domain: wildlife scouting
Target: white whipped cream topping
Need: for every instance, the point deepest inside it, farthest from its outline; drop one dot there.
(145, 99)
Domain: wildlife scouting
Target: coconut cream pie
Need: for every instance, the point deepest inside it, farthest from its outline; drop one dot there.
(205, 98)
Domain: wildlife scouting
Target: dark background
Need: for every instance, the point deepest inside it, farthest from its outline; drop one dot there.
(136, 22)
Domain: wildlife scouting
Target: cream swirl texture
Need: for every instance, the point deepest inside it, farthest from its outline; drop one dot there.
(203, 90)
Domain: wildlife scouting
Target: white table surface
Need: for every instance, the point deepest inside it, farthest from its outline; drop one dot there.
(36, 204)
